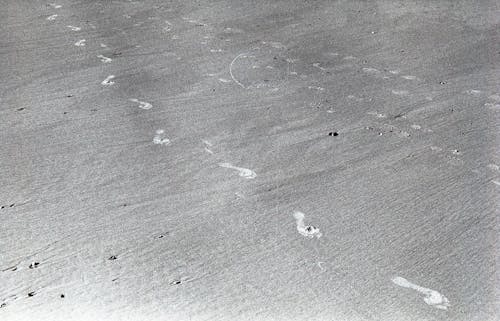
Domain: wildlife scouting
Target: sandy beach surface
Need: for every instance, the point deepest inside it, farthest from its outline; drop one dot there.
(249, 160)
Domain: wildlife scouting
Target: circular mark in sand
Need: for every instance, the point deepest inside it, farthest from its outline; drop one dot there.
(259, 69)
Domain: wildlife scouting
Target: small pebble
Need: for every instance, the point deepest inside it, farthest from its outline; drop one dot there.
(62, 296)
(112, 258)
(31, 294)
(34, 265)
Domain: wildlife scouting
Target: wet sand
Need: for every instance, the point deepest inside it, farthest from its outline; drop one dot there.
(236, 160)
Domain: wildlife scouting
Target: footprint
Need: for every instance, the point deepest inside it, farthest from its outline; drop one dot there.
(431, 297)
(107, 81)
(104, 59)
(378, 115)
(317, 88)
(494, 167)
(305, 230)
(474, 92)
(74, 28)
(243, 172)
(52, 17)
(400, 92)
(495, 97)
(207, 146)
(492, 105)
(80, 43)
(159, 138)
(142, 104)
(371, 70)
(317, 65)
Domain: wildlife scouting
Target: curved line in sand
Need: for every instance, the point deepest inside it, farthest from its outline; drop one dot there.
(231, 70)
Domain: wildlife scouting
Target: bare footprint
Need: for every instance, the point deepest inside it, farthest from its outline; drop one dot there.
(207, 146)
(305, 230)
(108, 81)
(400, 92)
(159, 138)
(243, 172)
(104, 59)
(431, 297)
(73, 28)
(142, 104)
(80, 43)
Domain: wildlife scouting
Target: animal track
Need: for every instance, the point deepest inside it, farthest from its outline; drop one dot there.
(243, 172)
(431, 297)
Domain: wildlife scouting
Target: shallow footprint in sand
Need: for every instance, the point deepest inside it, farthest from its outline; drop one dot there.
(431, 297)
(159, 138)
(104, 59)
(305, 230)
(80, 43)
(108, 81)
(142, 104)
(243, 172)
(73, 28)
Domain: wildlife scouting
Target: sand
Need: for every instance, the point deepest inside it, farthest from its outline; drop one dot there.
(156, 154)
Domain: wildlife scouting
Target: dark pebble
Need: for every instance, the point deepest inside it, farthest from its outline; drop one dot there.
(112, 258)
(333, 134)
(62, 296)
(34, 265)
(31, 294)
